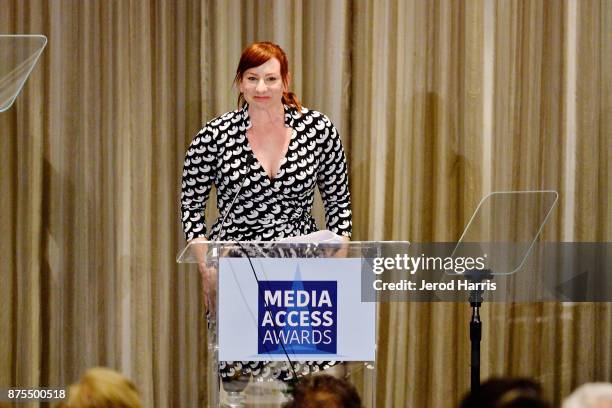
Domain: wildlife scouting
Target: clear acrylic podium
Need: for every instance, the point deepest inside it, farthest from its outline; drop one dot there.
(264, 293)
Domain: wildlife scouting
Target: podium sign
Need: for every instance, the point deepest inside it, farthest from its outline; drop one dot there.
(306, 308)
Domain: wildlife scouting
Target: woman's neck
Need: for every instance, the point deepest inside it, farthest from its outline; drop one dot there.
(267, 116)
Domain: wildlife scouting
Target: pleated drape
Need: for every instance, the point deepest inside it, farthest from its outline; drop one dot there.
(438, 103)
(93, 150)
(465, 98)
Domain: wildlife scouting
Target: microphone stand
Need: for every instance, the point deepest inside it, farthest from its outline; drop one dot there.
(476, 299)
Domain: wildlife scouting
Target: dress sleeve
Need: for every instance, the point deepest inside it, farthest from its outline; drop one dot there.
(199, 172)
(332, 180)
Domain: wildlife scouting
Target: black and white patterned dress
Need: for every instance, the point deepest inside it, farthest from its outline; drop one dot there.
(265, 209)
(255, 207)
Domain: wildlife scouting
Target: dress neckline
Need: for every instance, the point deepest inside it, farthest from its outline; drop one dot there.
(281, 171)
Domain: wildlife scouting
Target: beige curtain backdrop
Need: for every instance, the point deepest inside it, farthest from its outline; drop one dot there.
(438, 103)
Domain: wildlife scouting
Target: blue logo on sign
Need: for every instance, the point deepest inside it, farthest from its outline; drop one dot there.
(299, 315)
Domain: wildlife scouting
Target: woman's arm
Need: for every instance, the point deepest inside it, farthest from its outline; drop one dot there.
(332, 180)
(199, 171)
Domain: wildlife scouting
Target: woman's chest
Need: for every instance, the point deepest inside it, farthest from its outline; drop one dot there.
(269, 146)
(297, 164)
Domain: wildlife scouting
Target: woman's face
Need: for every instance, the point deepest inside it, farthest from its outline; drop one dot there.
(262, 86)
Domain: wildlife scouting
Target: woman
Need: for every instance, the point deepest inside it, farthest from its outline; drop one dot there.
(265, 159)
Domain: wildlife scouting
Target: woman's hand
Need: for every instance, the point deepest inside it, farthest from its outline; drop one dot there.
(343, 248)
(208, 272)
(210, 278)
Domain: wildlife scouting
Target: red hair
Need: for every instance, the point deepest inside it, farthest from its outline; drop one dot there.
(255, 55)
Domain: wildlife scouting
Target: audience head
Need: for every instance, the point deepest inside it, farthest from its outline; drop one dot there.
(506, 393)
(102, 388)
(592, 395)
(324, 391)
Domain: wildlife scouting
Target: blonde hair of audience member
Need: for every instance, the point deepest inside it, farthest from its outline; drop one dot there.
(590, 395)
(102, 388)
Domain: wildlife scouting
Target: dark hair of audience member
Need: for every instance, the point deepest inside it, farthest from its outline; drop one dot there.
(324, 391)
(506, 393)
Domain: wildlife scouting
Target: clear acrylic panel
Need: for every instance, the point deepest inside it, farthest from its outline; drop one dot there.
(504, 228)
(18, 56)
